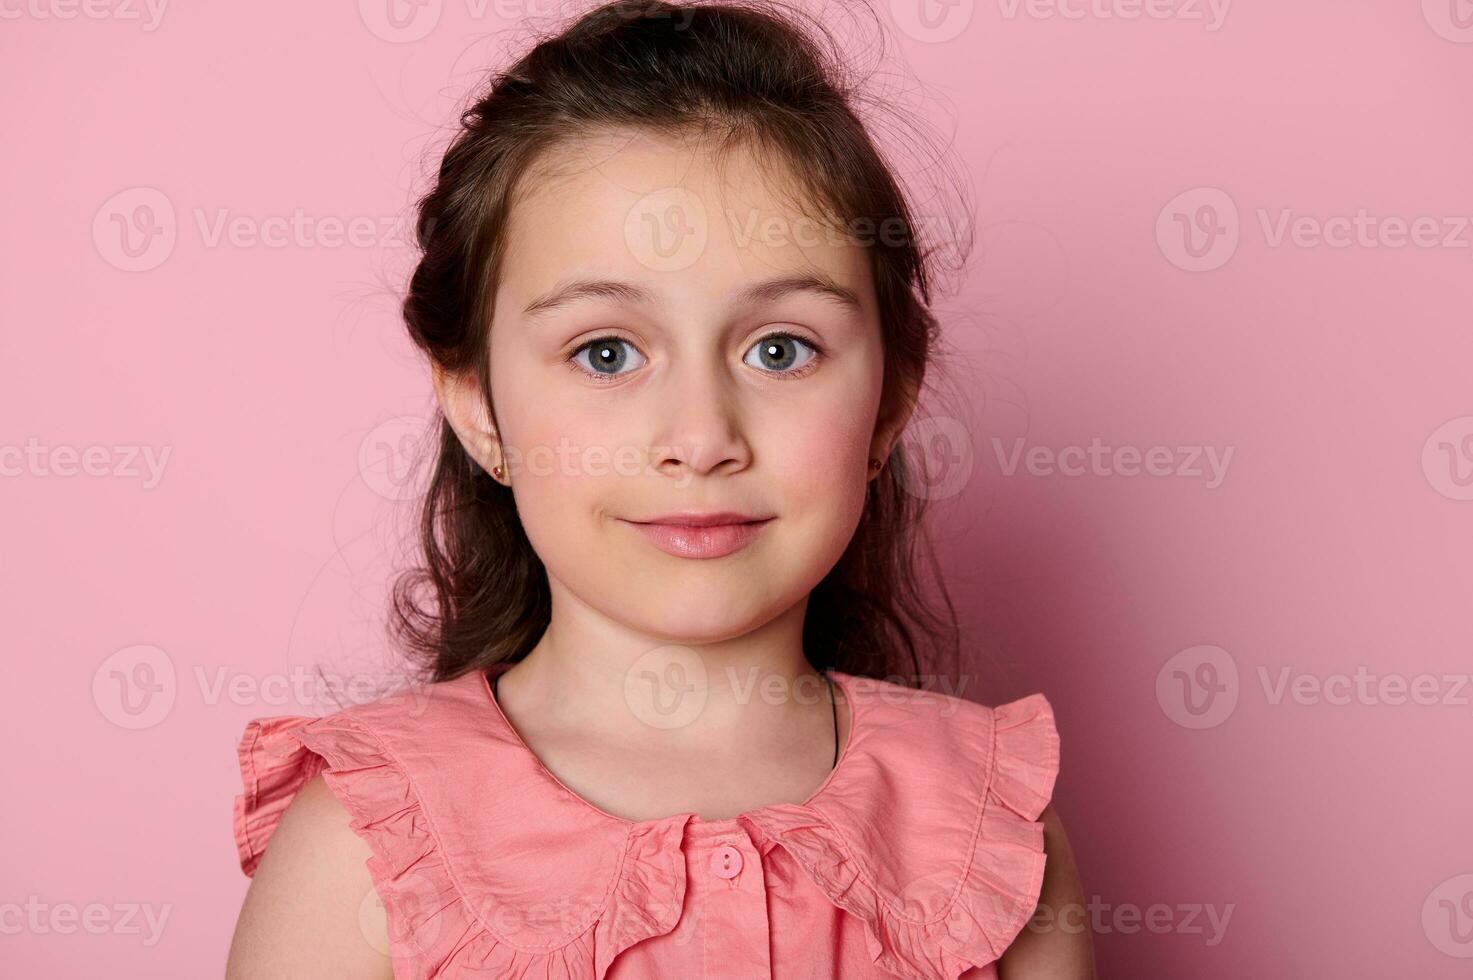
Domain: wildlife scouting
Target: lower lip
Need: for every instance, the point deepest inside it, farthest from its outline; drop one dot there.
(687, 541)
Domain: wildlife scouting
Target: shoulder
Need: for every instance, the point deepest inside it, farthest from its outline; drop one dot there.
(332, 799)
(1011, 749)
(309, 910)
(899, 704)
(460, 702)
(404, 730)
(1012, 752)
(1057, 943)
(936, 823)
(368, 754)
(463, 837)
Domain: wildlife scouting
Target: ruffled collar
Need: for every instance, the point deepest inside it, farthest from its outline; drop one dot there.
(925, 828)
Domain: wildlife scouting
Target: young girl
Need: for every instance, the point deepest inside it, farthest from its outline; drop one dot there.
(677, 321)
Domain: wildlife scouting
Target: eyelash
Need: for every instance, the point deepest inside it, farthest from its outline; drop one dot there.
(819, 353)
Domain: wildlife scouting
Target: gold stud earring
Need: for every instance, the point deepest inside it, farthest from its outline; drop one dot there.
(875, 463)
(496, 471)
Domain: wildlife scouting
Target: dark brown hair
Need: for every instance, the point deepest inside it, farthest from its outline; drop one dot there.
(744, 72)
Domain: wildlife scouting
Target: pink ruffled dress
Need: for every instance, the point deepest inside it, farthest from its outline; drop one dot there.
(920, 856)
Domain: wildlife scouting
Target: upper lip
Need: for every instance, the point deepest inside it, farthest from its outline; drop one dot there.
(698, 518)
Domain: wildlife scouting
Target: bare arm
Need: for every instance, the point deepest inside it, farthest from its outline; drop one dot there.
(1056, 945)
(310, 912)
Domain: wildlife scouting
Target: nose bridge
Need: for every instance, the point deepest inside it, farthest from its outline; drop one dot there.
(702, 422)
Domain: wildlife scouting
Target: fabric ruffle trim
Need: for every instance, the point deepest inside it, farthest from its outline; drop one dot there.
(999, 886)
(432, 929)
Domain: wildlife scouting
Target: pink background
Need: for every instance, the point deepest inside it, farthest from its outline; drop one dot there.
(279, 382)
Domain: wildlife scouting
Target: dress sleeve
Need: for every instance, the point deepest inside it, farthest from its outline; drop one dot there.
(995, 836)
(433, 930)
(278, 756)
(274, 766)
(1007, 871)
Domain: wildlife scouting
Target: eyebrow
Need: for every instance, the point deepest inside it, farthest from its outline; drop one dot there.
(770, 290)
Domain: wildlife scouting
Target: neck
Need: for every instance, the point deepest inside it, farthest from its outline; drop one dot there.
(601, 679)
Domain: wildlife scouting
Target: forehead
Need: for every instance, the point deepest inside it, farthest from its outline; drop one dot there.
(672, 213)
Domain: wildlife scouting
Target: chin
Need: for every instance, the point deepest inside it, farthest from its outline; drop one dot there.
(691, 614)
(700, 622)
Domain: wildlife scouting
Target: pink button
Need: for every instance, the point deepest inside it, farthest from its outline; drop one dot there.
(726, 861)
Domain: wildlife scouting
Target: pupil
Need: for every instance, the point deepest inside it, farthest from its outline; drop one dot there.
(774, 350)
(609, 356)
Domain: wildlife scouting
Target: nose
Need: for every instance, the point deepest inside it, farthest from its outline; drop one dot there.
(701, 428)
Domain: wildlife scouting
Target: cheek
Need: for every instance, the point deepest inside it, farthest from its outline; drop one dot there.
(544, 453)
(821, 465)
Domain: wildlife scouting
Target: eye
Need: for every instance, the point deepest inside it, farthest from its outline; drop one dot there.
(606, 357)
(782, 353)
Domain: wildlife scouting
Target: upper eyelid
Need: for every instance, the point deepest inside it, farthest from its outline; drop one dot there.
(819, 351)
(796, 334)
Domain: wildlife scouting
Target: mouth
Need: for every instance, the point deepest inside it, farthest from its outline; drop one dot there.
(701, 535)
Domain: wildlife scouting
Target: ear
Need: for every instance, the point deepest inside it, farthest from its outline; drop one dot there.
(464, 407)
(900, 402)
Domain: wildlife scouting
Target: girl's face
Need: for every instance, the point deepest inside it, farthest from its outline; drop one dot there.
(738, 368)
